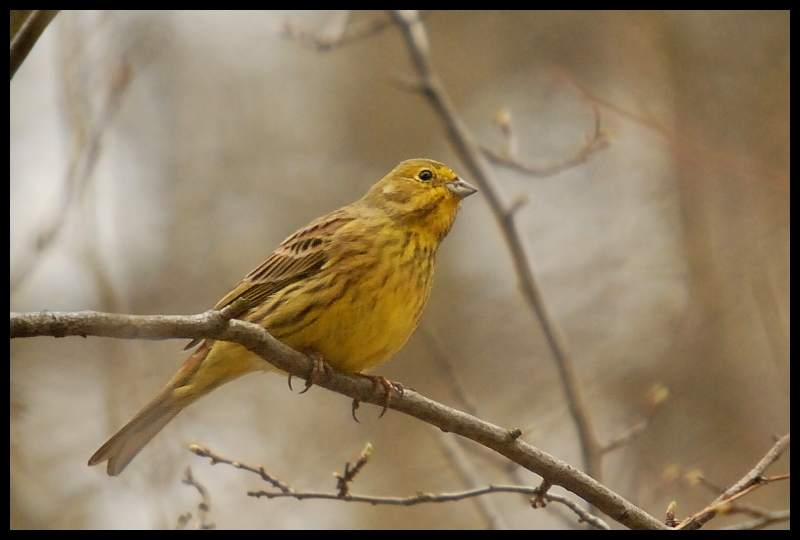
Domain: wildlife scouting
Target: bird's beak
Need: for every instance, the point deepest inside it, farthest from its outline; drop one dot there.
(461, 188)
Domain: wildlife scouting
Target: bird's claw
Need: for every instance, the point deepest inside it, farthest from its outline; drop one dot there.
(390, 387)
(319, 370)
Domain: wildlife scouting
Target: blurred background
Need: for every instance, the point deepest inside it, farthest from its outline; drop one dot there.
(156, 158)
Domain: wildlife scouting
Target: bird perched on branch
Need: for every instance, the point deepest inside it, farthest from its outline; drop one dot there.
(348, 289)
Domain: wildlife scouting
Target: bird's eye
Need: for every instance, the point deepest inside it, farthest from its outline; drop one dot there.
(425, 175)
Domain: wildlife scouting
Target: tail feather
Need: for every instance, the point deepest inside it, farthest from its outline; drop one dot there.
(123, 446)
(120, 449)
(211, 365)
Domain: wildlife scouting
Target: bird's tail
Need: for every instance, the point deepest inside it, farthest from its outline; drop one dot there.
(211, 365)
(123, 446)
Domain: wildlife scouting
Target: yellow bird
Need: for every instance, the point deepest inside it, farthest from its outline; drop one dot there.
(348, 288)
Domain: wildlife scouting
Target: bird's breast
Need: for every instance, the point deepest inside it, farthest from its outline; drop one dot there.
(361, 308)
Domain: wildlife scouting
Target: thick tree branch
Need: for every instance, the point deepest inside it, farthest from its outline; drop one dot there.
(217, 325)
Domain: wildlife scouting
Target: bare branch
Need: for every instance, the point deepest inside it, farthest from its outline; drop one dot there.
(773, 517)
(419, 498)
(582, 513)
(412, 500)
(216, 325)
(507, 157)
(26, 27)
(541, 492)
(216, 458)
(749, 482)
(346, 478)
(432, 88)
(203, 507)
(756, 474)
(427, 82)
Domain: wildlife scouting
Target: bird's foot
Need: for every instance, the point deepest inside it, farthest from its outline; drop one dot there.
(319, 370)
(389, 387)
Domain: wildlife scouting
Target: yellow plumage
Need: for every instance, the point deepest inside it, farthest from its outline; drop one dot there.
(349, 287)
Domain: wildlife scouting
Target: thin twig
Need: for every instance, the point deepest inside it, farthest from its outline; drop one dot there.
(216, 458)
(428, 83)
(343, 480)
(759, 523)
(753, 511)
(507, 157)
(582, 513)
(541, 492)
(203, 507)
(432, 88)
(412, 500)
(215, 325)
(749, 482)
(285, 491)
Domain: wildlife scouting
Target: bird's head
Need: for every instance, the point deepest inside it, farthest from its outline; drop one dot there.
(422, 193)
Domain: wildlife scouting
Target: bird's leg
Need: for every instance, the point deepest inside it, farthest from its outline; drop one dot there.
(390, 387)
(319, 370)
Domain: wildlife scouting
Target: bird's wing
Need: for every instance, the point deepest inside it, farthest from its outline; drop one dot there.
(298, 257)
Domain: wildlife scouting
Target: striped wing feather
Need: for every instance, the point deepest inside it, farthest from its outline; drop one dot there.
(298, 257)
